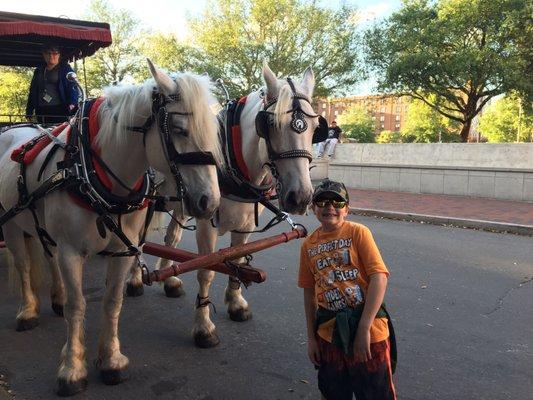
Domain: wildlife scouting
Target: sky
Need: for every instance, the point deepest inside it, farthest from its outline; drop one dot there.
(170, 16)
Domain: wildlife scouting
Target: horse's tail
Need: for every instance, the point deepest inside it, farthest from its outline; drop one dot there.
(35, 256)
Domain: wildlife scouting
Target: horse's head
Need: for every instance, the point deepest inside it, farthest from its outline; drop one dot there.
(288, 124)
(185, 147)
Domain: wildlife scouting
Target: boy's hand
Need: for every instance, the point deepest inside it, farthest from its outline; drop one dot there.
(312, 351)
(362, 344)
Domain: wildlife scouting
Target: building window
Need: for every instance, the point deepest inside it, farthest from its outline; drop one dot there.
(397, 126)
(382, 101)
(397, 118)
(398, 109)
(382, 118)
(336, 113)
(323, 105)
(382, 109)
(324, 114)
(382, 126)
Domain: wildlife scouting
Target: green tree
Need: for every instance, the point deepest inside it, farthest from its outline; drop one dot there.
(507, 120)
(235, 36)
(425, 125)
(14, 88)
(389, 137)
(464, 52)
(113, 63)
(356, 122)
(167, 52)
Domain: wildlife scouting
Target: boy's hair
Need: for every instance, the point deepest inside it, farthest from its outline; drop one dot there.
(334, 188)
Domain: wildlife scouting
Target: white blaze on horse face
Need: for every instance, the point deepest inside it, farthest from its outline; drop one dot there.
(296, 188)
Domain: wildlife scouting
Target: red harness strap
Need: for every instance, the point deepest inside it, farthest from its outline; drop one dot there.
(29, 156)
(94, 128)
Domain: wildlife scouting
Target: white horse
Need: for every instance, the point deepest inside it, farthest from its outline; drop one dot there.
(289, 152)
(176, 108)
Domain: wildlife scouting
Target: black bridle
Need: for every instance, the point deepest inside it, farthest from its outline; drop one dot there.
(265, 124)
(173, 157)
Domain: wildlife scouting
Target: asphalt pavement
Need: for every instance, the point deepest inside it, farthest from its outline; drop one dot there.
(458, 297)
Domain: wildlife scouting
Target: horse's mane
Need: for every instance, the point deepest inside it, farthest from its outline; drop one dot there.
(124, 102)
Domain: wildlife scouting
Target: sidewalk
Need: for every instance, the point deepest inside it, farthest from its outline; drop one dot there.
(471, 212)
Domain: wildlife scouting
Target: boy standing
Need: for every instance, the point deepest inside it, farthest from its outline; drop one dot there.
(344, 281)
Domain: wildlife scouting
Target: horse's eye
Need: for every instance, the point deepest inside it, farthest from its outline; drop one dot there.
(179, 130)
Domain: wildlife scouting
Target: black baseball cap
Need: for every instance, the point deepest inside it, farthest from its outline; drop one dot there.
(331, 189)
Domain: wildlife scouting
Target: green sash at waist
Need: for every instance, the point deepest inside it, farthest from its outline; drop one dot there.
(345, 327)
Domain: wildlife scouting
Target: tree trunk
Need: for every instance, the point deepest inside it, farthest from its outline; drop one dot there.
(465, 130)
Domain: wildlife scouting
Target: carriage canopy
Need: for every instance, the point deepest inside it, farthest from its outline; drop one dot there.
(22, 37)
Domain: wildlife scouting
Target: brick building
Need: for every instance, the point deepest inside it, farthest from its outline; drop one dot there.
(388, 112)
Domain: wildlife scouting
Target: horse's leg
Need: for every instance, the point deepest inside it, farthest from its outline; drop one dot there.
(57, 290)
(238, 308)
(20, 248)
(111, 361)
(134, 285)
(173, 286)
(204, 331)
(72, 375)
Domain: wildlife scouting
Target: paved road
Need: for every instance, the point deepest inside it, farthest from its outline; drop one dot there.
(461, 301)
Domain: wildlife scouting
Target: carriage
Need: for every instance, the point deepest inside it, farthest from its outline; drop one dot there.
(165, 124)
(22, 37)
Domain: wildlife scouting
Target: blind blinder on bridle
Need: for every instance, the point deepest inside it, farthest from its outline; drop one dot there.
(173, 157)
(264, 121)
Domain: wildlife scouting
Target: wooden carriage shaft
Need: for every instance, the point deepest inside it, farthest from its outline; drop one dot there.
(246, 272)
(212, 259)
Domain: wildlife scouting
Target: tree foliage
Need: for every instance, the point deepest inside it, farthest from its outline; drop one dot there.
(167, 52)
(507, 120)
(464, 52)
(425, 125)
(356, 122)
(389, 137)
(113, 63)
(235, 36)
(14, 88)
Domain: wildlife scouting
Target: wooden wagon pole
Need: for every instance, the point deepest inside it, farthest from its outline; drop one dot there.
(244, 272)
(212, 259)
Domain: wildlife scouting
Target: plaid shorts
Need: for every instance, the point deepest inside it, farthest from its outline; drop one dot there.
(340, 376)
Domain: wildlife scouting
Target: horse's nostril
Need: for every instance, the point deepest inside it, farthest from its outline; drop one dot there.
(291, 198)
(204, 200)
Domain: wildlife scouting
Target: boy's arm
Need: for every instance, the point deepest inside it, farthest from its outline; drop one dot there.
(374, 299)
(310, 318)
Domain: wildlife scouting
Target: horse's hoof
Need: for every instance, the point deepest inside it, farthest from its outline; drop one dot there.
(240, 315)
(58, 309)
(206, 341)
(114, 376)
(173, 290)
(65, 388)
(27, 324)
(134, 290)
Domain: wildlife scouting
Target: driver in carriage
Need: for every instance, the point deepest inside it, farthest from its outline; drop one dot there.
(52, 97)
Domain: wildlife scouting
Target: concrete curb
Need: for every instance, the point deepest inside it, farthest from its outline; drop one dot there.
(526, 230)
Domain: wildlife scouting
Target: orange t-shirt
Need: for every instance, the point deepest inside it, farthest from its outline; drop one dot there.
(338, 265)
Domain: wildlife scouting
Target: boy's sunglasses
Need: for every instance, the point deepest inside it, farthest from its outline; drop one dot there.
(334, 203)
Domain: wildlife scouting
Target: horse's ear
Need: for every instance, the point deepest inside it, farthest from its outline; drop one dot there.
(271, 80)
(164, 82)
(308, 81)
